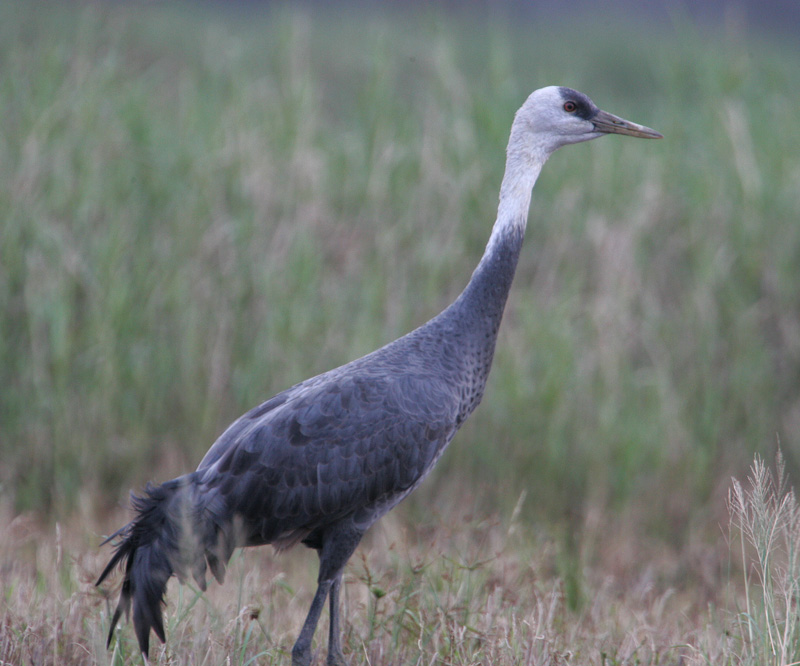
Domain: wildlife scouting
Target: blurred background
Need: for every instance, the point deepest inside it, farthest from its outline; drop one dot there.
(202, 204)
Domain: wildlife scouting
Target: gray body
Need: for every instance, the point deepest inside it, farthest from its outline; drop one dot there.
(320, 462)
(346, 446)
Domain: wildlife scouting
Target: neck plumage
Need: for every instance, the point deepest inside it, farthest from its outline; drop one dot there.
(484, 298)
(477, 312)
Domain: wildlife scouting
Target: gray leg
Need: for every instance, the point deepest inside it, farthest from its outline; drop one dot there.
(301, 652)
(335, 657)
(338, 545)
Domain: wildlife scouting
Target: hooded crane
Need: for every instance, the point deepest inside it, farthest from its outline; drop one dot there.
(319, 463)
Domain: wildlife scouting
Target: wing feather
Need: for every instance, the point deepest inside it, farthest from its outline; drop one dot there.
(327, 448)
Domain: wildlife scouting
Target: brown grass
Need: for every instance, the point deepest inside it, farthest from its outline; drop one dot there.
(458, 587)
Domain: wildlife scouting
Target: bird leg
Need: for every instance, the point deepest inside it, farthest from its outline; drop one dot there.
(301, 652)
(335, 656)
(338, 545)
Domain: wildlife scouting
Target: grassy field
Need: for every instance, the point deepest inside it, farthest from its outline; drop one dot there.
(201, 208)
(459, 588)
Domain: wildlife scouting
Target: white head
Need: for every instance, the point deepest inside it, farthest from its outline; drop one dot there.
(556, 116)
(550, 118)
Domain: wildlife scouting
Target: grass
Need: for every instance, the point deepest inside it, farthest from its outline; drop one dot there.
(459, 588)
(481, 592)
(766, 517)
(202, 208)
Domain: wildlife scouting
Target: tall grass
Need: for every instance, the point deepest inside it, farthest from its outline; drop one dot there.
(766, 517)
(198, 209)
(202, 209)
(456, 588)
(460, 589)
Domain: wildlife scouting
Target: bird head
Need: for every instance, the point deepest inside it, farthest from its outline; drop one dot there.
(556, 116)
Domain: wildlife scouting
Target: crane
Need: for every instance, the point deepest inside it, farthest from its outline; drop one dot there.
(320, 462)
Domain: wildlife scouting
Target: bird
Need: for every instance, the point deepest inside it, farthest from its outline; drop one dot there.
(322, 461)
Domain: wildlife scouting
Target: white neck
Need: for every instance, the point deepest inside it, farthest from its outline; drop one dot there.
(523, 166)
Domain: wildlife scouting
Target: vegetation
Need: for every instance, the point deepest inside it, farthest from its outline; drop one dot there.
(767, 518)
(201, 208)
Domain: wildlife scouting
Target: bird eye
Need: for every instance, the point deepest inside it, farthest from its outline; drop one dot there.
(570, 107)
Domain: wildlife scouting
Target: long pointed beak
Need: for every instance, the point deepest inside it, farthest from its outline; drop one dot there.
(608, 123)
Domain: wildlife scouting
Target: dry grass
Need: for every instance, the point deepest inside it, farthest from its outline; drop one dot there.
(766, 517)
(460, 588)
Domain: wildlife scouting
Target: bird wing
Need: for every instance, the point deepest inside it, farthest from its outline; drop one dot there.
(334, 445)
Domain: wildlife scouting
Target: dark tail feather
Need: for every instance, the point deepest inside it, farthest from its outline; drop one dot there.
(155, 545)
(124, 605)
